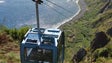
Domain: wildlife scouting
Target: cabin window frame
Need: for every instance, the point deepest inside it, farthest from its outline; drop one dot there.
(30, 60)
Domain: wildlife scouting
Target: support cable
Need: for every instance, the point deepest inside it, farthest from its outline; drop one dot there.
(59, 6)
(55, 10)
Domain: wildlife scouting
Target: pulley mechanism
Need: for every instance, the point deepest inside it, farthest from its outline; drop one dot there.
(38, 1)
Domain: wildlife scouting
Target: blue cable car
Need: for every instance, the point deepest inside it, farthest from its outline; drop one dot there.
(42, 46)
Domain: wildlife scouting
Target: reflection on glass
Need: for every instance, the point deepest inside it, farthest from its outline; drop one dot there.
(37, 54)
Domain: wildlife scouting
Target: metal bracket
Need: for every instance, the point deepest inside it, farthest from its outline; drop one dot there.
(38, 1)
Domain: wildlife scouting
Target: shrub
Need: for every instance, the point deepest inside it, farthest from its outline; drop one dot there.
(4, 38)
(17, 34)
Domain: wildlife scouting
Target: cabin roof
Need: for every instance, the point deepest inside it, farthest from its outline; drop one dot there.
(34, 37)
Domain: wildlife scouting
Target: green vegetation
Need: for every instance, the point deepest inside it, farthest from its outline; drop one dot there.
(16, 34)
(9, 44)
(84, 30)
(78, 34)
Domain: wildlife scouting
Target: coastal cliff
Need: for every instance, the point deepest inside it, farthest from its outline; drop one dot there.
(91, 32)
(88, 36)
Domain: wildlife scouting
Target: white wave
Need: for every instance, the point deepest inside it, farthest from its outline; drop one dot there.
(77, 1)
(59, 24)
(1, 1)
(49, 4)
(68, 0)
(66, 20)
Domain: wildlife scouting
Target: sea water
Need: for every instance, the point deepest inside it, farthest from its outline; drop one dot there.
(18, 13)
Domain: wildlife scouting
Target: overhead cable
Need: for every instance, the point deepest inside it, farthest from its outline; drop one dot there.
(55, 10)
(59, 6)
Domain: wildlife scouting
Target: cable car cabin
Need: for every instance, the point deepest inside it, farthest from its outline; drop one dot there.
(44, 46)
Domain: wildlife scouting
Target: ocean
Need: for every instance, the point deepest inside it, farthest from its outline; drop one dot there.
(52, 13)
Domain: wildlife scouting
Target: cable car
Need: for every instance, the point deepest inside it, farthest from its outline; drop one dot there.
(42, 46)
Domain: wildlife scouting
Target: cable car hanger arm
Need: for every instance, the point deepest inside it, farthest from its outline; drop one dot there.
(38, 1)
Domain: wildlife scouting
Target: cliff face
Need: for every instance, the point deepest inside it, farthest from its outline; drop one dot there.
(99, 41)
(100, 45)
(93, 32)
(88, 39)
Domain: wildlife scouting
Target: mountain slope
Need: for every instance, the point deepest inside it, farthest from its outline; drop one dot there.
(87, 32)
(88, 39)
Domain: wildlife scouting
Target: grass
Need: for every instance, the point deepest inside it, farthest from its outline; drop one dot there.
(78, 34)
(83, 28)
(9, 44)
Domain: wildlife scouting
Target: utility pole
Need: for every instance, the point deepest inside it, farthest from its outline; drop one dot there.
(37, 12)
